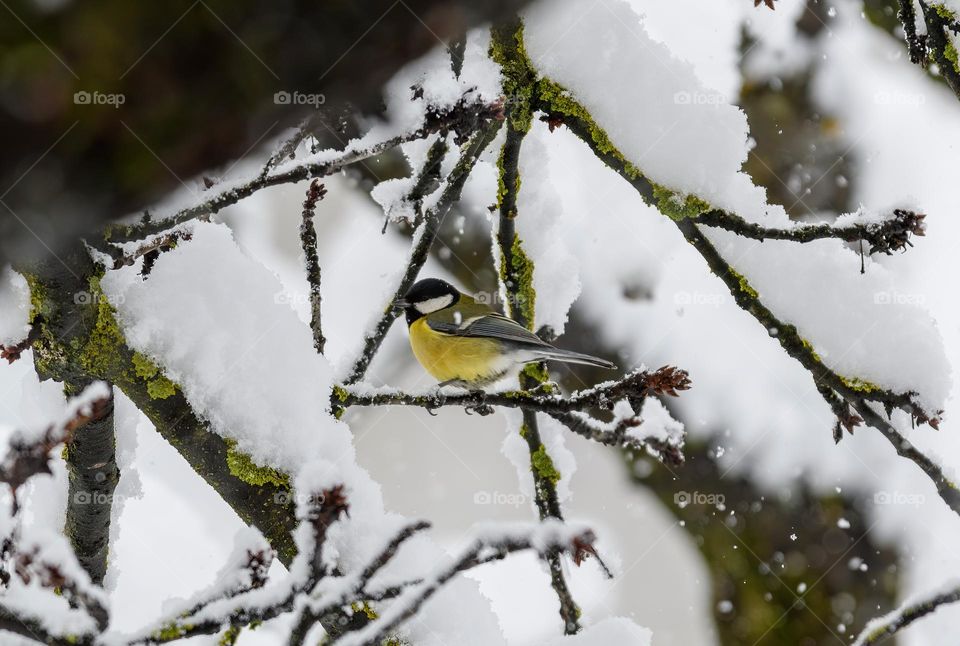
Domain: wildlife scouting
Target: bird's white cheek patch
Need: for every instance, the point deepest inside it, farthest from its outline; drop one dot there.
(434, 304)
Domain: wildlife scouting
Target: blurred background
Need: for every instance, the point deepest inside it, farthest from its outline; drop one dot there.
(770, 534)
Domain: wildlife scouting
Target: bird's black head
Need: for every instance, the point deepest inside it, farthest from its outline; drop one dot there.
(426, 296)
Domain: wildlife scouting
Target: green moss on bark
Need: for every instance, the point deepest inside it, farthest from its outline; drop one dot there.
(558, 101)
(745, 285)
(676, 206)
(859, 385)
(543, 465)
(507, 50)
(242, 466)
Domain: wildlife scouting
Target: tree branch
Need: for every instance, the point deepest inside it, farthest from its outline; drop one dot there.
(463, 117)
(12, 352)
(428, 178)
(80, 339)
(881, 628)
(886, 237)
(308, 241)
(516, 277)
(935, 46)
(852, 390)
(547, 538)
(93, 475)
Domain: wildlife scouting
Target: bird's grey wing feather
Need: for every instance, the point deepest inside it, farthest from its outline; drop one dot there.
(490, 326)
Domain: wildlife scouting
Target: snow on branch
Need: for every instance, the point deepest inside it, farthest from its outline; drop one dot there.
(850, 392)
(543, 538)
(572, 410)
(28, 452)
(465, 116)
(938, 44)
(12, 352)
(880, 628)
(885, 236)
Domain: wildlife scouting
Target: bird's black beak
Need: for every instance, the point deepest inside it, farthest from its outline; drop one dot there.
(401, 304)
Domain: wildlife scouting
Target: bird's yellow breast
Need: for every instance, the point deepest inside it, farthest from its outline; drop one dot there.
(448, 357)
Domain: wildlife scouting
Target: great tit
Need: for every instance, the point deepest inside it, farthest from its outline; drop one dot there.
(463, 342)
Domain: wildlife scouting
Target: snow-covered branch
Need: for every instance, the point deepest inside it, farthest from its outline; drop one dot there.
(28, 452)
(885, 236)
(463, 117)
(879, 629)
(548, 537)
(938, 44)
(572, 410)
(858, 394)
(12, 352)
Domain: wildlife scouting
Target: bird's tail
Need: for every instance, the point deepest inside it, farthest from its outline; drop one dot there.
(569, 356)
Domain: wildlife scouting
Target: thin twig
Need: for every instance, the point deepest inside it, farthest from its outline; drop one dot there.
(308, 240)
(886, 237)
(463, 116)
(12, 352)
(787, 335)
(428, 178)
(878, 630)
(550, 537)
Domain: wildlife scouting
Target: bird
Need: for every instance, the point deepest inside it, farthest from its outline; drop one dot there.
(466, 343)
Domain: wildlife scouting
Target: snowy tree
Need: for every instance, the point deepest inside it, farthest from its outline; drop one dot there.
(583, 168)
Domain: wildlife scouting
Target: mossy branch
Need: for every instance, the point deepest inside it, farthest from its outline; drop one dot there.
(856, 392)
(937, 45)
(80, 339)
(516, 277)
(892, 234)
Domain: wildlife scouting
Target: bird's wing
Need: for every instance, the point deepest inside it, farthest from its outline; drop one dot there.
(488, 326)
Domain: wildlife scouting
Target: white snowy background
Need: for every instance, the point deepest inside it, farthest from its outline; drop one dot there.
(590, 235)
